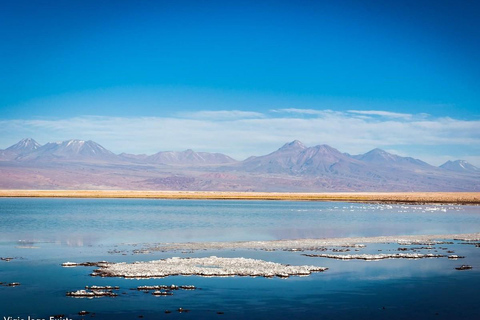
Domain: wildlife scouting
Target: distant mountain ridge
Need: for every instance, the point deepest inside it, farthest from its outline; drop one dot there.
(69, 150)
(296, 158)
(293, 156)
(188, 157)
(24, 145)
(30, 150)
(460, 166)
(379, 156)
(293, 167)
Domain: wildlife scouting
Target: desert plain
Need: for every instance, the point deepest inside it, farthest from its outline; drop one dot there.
(380, 197)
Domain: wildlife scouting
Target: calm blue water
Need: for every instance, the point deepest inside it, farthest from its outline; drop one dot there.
(43, 233)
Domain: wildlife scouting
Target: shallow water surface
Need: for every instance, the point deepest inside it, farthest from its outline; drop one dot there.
(81, 222)
(42, 233)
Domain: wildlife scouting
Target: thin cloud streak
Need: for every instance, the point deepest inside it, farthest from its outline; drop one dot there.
(386, 114)
(221, 115)
(304, 111)
(241, 134)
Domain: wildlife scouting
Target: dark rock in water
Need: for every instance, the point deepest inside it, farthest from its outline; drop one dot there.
(220, 312)
(188, 287)
(476, 244)
(6, 259)
(156, 287)
(455, 257)
(464, 267)
(164, 287)
(162, 293)
(168, 311)
(93, 293)
(102, 287)
(85, 264)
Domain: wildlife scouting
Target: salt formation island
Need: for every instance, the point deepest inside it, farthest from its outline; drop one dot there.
(207, 267)
(373, 257)
(311, 244)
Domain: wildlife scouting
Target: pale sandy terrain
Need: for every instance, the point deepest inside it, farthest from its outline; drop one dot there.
(387, 197)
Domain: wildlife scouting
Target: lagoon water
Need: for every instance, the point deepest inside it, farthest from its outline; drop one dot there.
(43, 233)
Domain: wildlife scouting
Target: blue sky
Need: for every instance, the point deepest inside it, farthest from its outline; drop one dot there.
(378, 70)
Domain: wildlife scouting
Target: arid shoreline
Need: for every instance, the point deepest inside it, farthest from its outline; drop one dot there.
(387, 197)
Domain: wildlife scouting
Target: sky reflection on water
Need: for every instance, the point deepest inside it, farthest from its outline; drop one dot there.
(78, 222)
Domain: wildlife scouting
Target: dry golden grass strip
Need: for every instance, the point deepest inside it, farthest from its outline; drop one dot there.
(388, 197)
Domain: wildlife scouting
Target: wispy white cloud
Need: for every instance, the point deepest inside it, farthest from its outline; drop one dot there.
(221, 115)
(304, 111)
(243, 133)
(386, 114)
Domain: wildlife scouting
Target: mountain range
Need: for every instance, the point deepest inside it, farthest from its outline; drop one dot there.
(78, 164)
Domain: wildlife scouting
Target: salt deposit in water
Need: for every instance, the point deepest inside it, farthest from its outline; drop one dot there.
(208, 267)
(376, 256)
